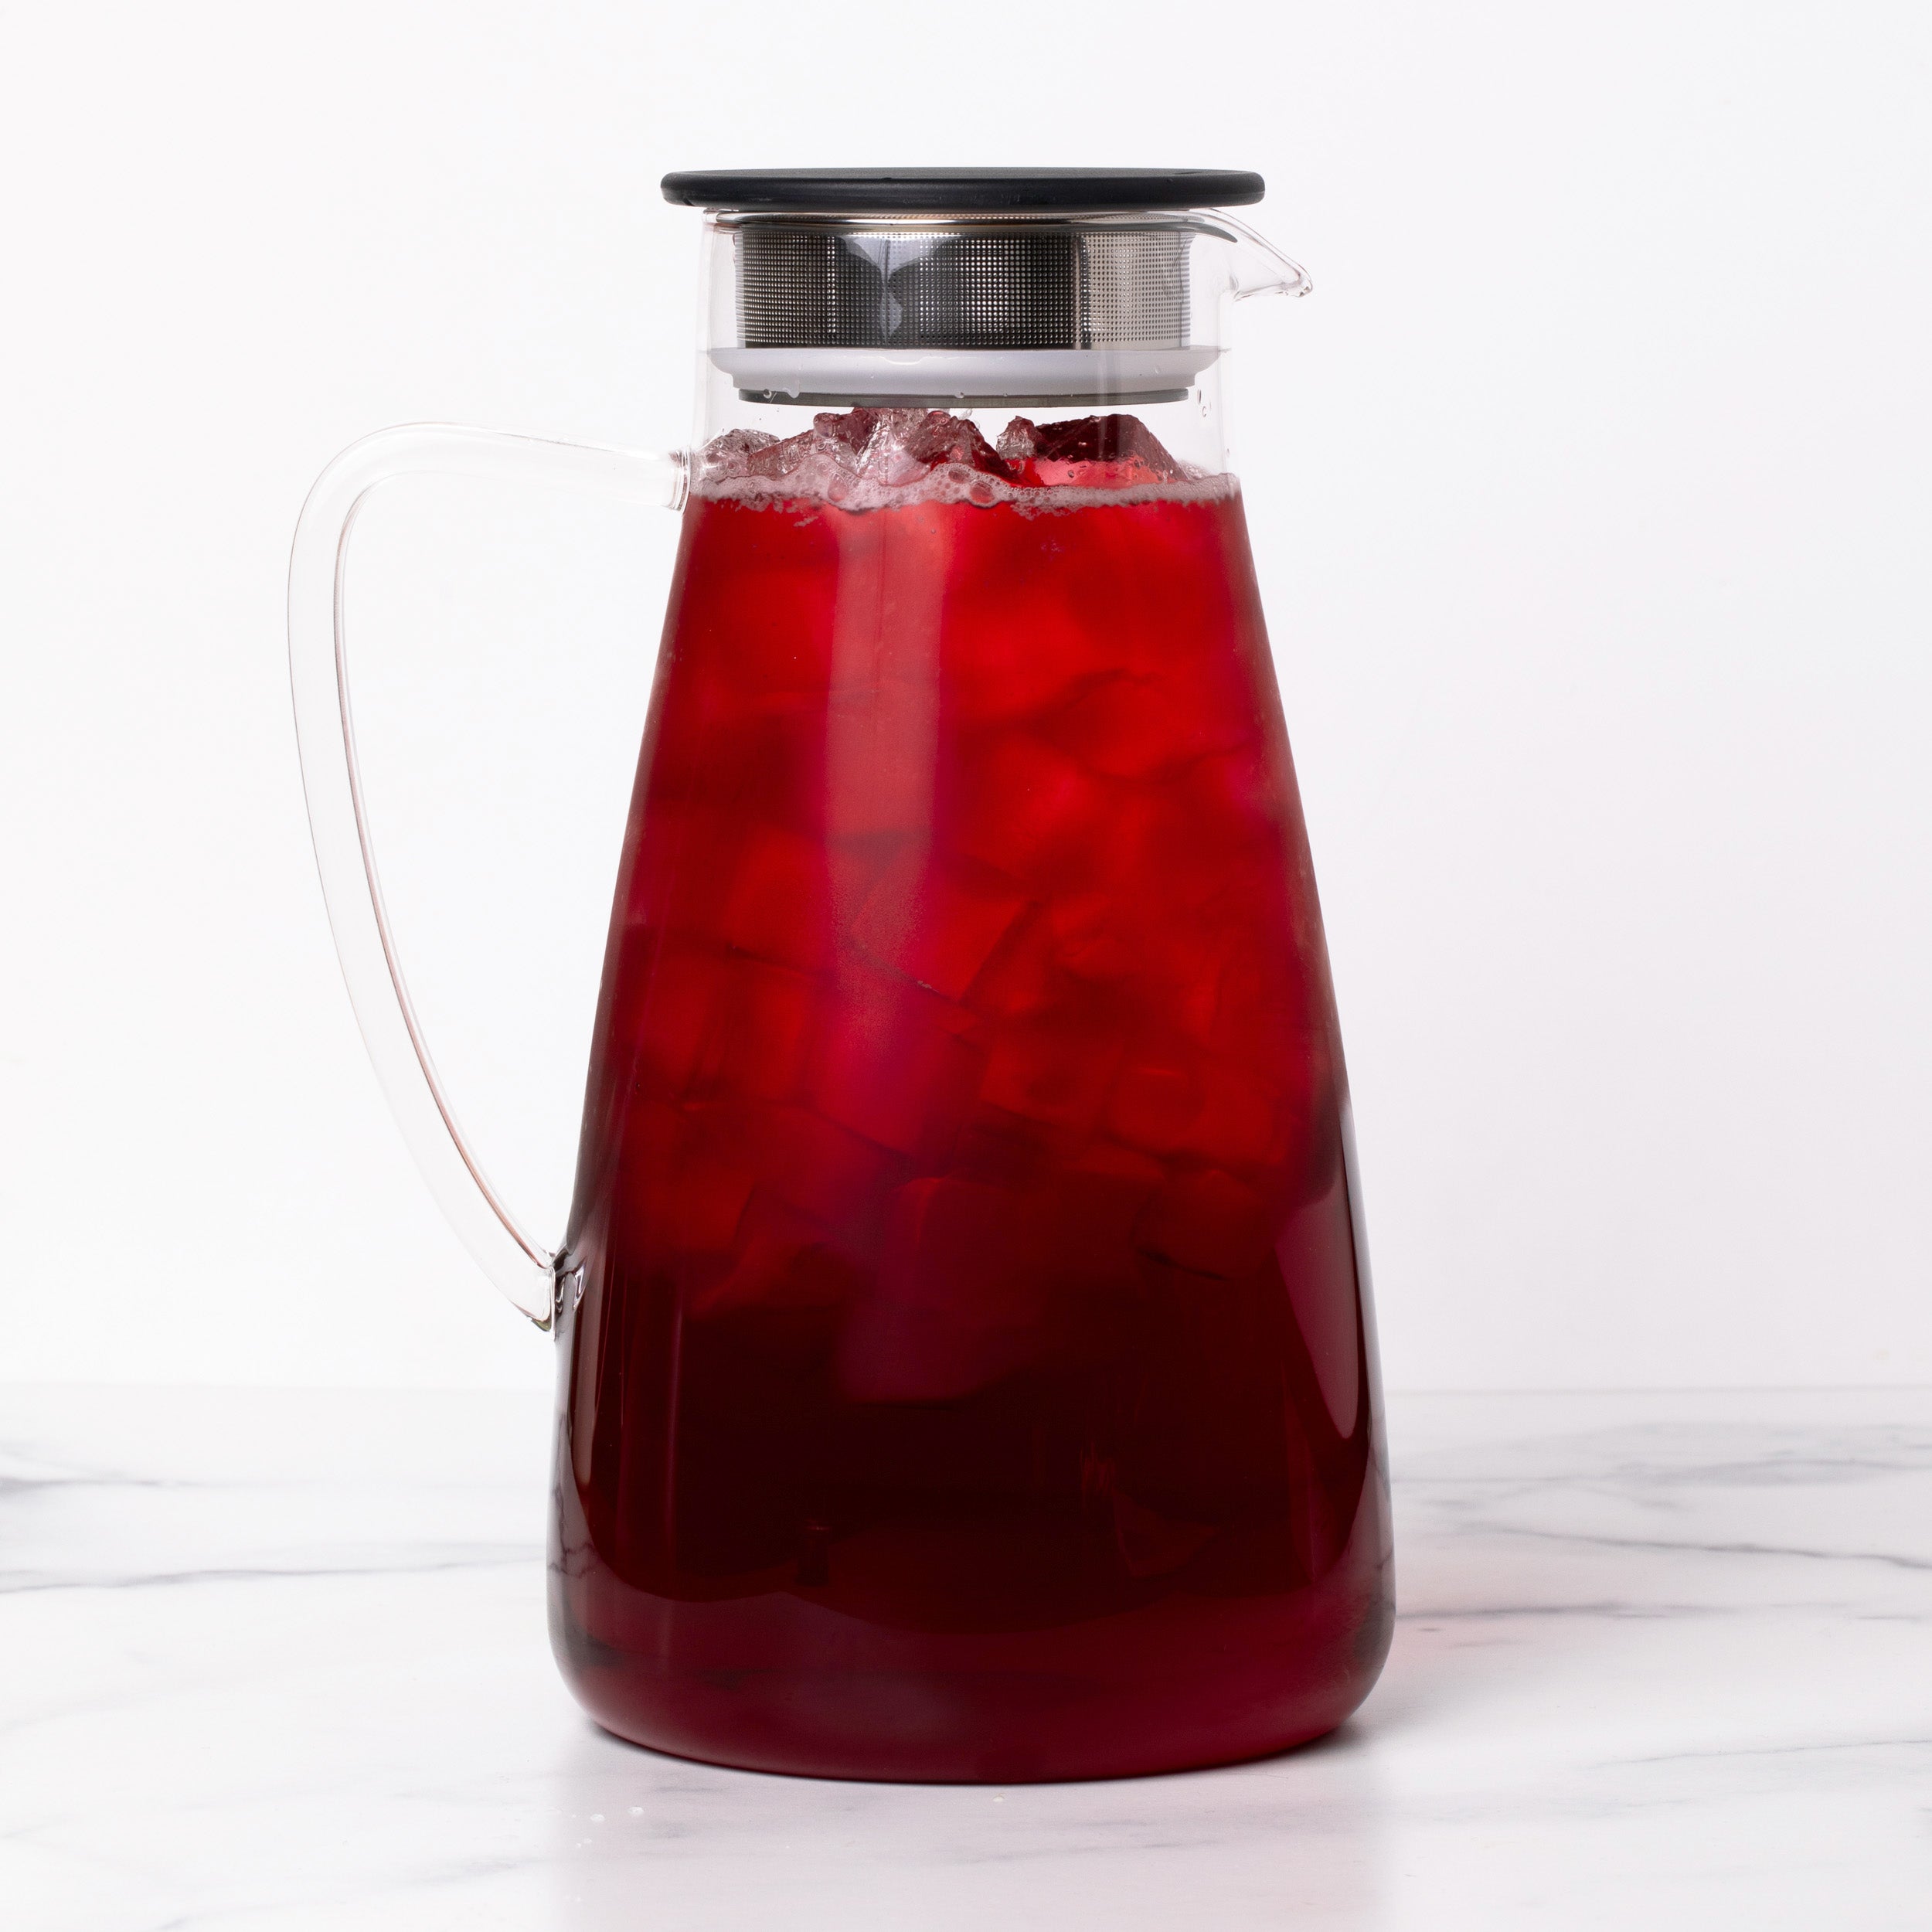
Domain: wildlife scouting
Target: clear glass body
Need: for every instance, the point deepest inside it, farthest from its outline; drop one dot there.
(966, 1368)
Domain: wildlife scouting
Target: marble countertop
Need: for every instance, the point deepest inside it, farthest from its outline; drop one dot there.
(278, 1660)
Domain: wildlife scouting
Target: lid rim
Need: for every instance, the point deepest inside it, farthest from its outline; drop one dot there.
(962, 190)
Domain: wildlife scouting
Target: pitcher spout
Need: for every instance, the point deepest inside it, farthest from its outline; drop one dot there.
(1260, 268)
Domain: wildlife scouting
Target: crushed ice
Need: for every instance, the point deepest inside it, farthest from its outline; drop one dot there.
(866, 459)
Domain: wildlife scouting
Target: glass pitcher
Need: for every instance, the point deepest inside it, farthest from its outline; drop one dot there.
(966, 1367)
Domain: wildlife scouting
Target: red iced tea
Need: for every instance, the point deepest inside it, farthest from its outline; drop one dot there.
(972, 1376)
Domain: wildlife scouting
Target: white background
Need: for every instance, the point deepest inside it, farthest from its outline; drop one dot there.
(1590, 497)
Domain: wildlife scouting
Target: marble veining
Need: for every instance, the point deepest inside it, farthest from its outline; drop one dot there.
(278, 1660)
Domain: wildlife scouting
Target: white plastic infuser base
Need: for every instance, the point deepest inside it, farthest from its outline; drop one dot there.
(960, 375)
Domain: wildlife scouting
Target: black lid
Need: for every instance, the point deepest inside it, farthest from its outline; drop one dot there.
(890, 191)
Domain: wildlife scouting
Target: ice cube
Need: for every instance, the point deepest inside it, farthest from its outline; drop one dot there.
(1243, 791)
(1097, 935)
(934, 922)
(1034, 610)
(781, 1267)
(763, 1025)
(779, 904)
(821, 1169)
(1056, 1069)
(1240, 1119)
(864, 458)
(1128, 726)
(859, 459)
(680, 868)
(736, 452)
(960, 1297)
(683, 1180)
(767, 631)
(1154, 1106)
(1004, 1150)
(1265, 1008)
(1207, 1222)
(1140, 851)
(764, 764)
(688, 1017)
(888, 445)
(1190, 1103)
(661, 1015)
(1182, 965)
(894, 1063)
(1089, 452)
(926, 439)
(879, 750)
(1021, 806)
(1020, 977)
(881, 739)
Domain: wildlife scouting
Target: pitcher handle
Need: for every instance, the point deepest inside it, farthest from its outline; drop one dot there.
(521, 1266)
